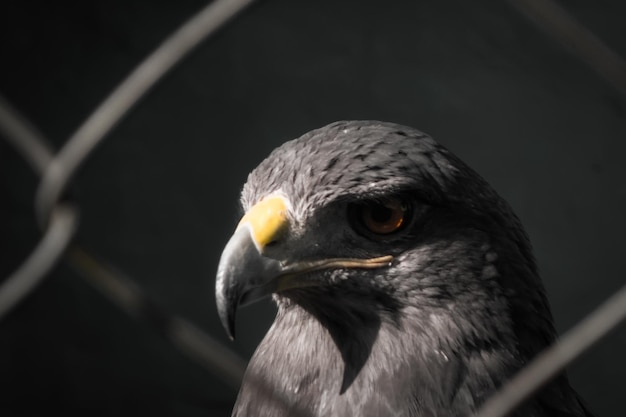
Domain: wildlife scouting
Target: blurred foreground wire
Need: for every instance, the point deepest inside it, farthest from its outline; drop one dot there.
(59, 219)
(553, 360)
(47, 253)
(191, 340)
(117, 105)
(563, 27)
(37, 153)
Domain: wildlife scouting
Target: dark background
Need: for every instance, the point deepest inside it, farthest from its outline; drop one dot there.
(159, 197)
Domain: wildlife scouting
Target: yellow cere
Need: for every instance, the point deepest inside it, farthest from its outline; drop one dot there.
(267, 219)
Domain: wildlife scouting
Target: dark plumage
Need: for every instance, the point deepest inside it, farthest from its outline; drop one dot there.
(433, 332)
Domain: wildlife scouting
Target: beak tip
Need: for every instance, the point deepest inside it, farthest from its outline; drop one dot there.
(226, 312)
(229, 326)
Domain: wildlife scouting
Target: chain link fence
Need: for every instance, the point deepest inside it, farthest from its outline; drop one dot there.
(58, 216)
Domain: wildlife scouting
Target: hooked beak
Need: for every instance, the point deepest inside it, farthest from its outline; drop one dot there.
(245, 274)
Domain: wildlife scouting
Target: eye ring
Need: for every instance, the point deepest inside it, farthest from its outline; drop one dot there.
(382, 217)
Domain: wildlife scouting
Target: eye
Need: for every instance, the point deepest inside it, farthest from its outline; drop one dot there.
(382, 218)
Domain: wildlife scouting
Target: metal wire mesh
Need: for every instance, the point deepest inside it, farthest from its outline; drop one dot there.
(59, 218)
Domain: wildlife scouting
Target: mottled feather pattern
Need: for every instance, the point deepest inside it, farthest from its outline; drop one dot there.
(460, 309)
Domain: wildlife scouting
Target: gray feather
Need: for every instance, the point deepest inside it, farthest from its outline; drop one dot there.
(460, 310)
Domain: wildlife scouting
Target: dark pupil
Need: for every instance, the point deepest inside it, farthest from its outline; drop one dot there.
(381, 214)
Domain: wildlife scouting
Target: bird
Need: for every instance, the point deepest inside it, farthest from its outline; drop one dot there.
(404, 284)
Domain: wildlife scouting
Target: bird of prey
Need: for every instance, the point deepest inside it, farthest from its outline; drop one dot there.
(405, 285)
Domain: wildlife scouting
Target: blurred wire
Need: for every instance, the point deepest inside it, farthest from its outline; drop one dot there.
(564, 28)
(60, 220)
(553, 361)
(191, 340)
(47, 253)
(36, 151)
(59, 172)
(24, 137)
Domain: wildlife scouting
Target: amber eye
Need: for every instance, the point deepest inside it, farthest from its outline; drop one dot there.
(385, 217)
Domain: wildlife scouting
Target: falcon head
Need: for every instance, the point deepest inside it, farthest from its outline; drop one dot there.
(394, 248)
(374, 208)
